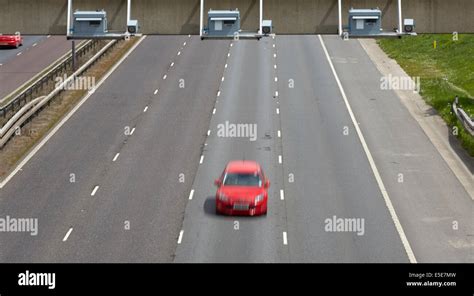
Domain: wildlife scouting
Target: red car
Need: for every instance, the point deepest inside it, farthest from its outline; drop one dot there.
(242, 189)
(11, 40)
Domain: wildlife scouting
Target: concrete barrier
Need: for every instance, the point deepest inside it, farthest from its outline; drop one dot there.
(182, 16)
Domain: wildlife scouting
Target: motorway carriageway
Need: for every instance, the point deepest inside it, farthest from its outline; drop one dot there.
(17, 66)
(129, 176)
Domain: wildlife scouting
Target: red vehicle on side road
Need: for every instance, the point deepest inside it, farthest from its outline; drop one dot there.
(242, 189)
(11, 40)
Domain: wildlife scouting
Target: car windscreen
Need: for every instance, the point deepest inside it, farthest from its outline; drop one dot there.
(235, 179)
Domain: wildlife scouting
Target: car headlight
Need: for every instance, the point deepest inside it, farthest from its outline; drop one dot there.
(223, 197)
(259, 198)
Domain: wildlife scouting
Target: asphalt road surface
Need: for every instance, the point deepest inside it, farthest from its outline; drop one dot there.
(129, 177)
(22, 64)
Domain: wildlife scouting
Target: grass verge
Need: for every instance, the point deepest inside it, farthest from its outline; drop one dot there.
(445, 71)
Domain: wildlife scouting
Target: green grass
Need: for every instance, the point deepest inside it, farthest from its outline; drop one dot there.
(445, 72)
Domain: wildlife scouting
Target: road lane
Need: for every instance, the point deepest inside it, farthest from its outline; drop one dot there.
(9, 53)
(247, 98)
(20, 69)
(332, 176)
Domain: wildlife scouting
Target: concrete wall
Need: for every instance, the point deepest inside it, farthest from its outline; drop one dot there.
(182, 16)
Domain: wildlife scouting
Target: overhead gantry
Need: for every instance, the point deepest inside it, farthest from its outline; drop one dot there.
(93, 24)
(234, 30)
(400, 30)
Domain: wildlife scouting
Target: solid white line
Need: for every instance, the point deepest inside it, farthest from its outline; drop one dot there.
(164, 77)
(208, 133)
(116, 157)
(285, 239)
(66, 118)
(278, 110)
(191, 194)
(282, 194)
(67, 234)
(280, 159)
(95, 190)
(279, 134)
(180, 238)
(214, 111)
(133, 130)
(386, 197)
(202, 159)
(156, 91)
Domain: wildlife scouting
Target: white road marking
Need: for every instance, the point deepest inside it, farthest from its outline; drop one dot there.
(275, 66)
(156, 91)
(280, 159)
(116, 157)
(184, 44)
(274, 45)
(285, 238)
(214, 111)
(172, 64)
(208, 133)
(276, 79)
(222, 79)
(219, 93)
(274, 55)
(278, 110)
(202, 159)
(133, 130)
(179, 52)
(279, 134)
(95, 190)
(180, 238)
(67, 234)
(34, 44)
(191, 194)
(276, 94)
(228, 55)
(66, 118)
(226, 66)
(386, 197)
(146, 109)
(164, 77)
(18, 54)
(282, 194)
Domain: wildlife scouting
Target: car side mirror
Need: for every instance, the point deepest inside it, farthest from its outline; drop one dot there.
(267, 183)
(218, 183)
